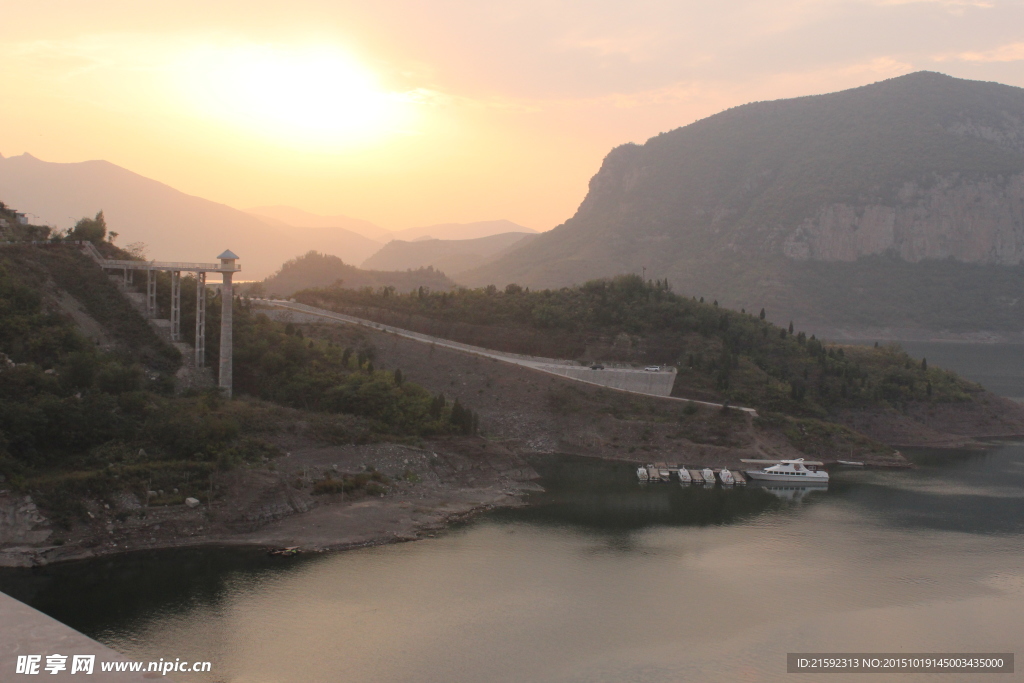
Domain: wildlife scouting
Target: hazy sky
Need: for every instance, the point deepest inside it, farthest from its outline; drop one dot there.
(408, 112)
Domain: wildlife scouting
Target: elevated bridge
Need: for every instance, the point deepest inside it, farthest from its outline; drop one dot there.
(227, 267)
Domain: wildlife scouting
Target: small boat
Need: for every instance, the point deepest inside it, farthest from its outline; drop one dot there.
(684, 476)
(641, 474)
(708, 475)
(725, 476)
(789, 470)
(290, 551)
(665, 473)
(850, 463)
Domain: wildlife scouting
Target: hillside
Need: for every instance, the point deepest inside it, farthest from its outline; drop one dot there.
(94, 430)
(321, 270)
(449, 256)
(721, 354)
(174, 225)
(460, 231)
(918, 174)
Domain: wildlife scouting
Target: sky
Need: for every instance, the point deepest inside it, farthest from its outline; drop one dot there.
(409, 113)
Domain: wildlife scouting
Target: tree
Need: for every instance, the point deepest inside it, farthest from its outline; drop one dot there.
(791, 327)
(761, 315)
(398, 377)
(90, 229)
(924, 365)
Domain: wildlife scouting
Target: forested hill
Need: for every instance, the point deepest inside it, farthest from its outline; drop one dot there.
(888, 179)
(720, 353)
(90, 403)
(322, 270)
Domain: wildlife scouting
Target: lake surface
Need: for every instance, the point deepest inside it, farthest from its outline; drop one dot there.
(599, 579)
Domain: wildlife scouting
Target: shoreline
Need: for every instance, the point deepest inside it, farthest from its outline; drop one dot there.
(333, 525)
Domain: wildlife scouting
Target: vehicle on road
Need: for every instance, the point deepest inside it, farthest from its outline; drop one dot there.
(597, 366)
(653, 368)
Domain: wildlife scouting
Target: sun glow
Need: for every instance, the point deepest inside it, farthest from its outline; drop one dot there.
(311, 97)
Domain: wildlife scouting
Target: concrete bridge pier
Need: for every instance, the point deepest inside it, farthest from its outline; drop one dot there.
(200, 319)
(176, 305)
(151, 294)
(227, 300)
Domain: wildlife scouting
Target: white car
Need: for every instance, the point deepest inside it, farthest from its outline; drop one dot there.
(653, 368)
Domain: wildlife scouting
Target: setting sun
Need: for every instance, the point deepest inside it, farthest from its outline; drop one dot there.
(310, 96)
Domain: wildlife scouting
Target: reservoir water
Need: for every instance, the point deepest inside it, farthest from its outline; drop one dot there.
(599, 578)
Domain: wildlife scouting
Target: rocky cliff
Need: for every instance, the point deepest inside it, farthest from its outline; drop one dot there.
(974, 221)
(923, 169)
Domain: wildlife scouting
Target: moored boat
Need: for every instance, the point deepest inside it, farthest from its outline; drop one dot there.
(641, 474)
(708, 475)
(789, 470)
(725, 476)
(684, 476)
(652, 473)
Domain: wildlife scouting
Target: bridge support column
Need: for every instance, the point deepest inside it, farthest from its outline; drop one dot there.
(227, 299)
(175, 305)
(151, 294)
(200, 319)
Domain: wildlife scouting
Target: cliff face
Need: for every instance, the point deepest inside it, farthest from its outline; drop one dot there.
(973, 221)
(744, 206)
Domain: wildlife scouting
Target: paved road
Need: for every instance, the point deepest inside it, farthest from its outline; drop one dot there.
(632, 380)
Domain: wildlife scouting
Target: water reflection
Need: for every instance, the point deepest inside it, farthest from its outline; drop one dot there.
(599, 579)
(113, 594)
(602, 495)
(791, 493)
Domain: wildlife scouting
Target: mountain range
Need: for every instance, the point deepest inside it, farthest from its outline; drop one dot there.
(897, 204)
(451, 256)
(176, 226)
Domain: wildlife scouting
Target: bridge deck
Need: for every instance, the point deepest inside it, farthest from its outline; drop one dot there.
(169, 265)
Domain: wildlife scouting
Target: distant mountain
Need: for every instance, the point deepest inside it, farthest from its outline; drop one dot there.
(297, 218)
(174, 225)
(449, 256)
(322, 270)
(900, 203)
(460, 231)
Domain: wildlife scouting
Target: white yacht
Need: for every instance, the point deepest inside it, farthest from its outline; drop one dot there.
(725, 476)
(664, 472)
(708, 475)
(641, 474)
(789, 470)
(684, 476)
